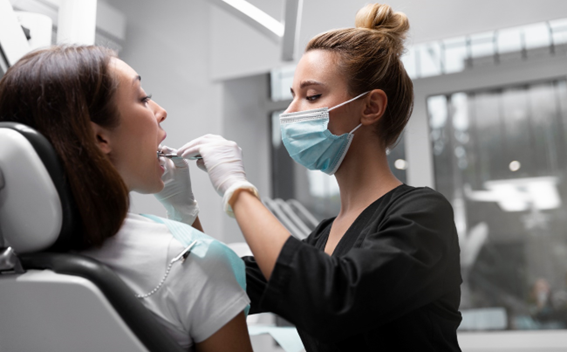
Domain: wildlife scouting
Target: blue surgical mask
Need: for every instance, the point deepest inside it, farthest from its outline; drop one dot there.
(310, 143)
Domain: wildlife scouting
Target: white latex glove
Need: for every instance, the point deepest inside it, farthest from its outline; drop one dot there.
(177, 196)
(222, 160)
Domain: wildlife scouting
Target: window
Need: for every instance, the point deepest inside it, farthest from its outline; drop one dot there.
(500, 157)
(459, 53)
(280, 82)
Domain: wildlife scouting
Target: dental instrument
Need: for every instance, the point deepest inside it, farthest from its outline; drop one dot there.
(170, 156)
(162, 154)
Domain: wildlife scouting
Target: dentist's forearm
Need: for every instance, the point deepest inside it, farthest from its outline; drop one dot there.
(263, 232)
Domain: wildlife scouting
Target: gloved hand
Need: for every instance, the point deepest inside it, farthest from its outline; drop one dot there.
(222, 160)
(177, 196)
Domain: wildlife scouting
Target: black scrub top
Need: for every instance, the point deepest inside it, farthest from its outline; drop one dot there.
(392, 283)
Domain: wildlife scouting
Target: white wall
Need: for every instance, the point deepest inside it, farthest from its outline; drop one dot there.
(247, 123)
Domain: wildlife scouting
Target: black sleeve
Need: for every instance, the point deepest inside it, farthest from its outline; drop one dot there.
(255, 284)
(401, 265)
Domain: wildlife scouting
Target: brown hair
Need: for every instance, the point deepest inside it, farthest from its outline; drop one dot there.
(59, 91)
(369, 57)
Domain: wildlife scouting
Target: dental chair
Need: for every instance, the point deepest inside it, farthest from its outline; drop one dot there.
(52, 300)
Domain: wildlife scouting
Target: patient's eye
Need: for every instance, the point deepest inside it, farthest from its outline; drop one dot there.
(146, 99)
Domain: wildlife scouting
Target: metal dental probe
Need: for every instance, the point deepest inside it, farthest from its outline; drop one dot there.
(162, 154)
(170, 156)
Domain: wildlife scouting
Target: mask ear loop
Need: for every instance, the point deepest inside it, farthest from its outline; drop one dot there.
(357, 127)
(348, 101)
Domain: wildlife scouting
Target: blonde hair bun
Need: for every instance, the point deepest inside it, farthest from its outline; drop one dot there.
(382, 18)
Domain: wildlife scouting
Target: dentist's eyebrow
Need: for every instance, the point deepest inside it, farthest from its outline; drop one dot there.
(307, 83)
(138, 78)
(310, 83)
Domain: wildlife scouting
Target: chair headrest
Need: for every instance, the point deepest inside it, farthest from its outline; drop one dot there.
(36, 206)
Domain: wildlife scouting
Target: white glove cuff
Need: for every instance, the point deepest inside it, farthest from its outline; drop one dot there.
(230, 191)
(188, 214)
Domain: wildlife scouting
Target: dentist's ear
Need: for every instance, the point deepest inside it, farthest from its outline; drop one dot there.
(102, 138)
(375, 105)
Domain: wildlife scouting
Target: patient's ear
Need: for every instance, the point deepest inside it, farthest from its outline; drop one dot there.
(102, 138)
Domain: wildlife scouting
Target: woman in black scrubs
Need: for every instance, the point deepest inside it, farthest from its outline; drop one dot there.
(383, 275)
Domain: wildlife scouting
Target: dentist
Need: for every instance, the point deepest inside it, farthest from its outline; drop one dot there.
(383, 275)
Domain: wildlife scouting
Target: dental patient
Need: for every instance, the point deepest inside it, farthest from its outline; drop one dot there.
(106, 130)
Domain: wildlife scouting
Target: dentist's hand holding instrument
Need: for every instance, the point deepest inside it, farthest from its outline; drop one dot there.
(222, 159)
(177, 196)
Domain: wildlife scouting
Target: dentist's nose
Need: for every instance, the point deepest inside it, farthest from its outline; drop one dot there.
(293, 107)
